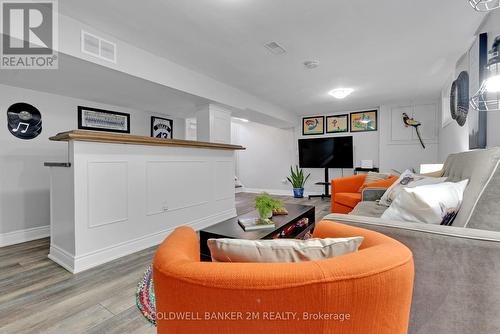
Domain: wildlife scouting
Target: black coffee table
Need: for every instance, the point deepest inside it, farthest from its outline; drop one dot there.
(231, 229)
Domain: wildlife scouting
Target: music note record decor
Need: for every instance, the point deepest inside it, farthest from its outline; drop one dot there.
(24, 121)
(162, 127)
(103, 120)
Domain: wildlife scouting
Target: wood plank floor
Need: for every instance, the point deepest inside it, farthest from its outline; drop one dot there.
(38, 296)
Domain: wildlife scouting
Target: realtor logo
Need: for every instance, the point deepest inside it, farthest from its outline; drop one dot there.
(29, 34)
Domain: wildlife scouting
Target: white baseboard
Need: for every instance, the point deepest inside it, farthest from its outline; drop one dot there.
(20, 236)
(76, 264)
(277, 192)
(62, 258)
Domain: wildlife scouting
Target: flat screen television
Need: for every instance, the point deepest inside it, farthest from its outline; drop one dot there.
(333, 152)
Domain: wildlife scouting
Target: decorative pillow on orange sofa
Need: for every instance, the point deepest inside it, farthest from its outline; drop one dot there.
(281, 250)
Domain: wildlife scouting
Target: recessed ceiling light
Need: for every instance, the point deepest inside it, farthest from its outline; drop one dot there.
(340, 93)
(310, 64)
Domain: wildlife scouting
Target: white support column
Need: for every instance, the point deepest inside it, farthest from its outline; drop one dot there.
(213, 124)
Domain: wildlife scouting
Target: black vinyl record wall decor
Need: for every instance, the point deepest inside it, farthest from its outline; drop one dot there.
(24, 121)
(459, 98)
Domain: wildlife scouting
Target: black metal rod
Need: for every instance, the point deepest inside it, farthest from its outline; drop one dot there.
(57, 164)
(327, 181)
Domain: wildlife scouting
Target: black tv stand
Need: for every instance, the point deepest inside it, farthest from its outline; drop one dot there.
(326, 183)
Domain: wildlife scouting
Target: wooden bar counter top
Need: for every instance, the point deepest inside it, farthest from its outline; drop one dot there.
(106, 137)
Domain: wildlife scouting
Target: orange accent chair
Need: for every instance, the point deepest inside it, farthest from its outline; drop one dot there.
(346, 192)
(369, 291)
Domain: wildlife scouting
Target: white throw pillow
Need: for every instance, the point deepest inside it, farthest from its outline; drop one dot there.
(407, 179)
(431, 204)
(281, 250)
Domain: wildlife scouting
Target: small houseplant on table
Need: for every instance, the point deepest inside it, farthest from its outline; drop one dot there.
(297, 180)
(265, 206)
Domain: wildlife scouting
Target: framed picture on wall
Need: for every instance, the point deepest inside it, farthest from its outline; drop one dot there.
(103, 120)
(337, 123)
(364, 121)
(162, 127)
(313, 125)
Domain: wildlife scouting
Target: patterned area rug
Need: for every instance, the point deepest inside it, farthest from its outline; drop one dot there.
(145, 296)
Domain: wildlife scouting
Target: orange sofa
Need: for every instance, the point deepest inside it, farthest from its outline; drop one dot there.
(369, 291)
(346, 192)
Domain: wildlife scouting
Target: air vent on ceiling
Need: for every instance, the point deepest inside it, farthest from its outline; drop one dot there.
(98, 47)
(275, 48)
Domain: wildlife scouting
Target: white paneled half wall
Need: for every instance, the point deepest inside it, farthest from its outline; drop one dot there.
(117, 199)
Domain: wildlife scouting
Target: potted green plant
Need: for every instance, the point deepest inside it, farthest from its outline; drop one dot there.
(265, 205)
(297, 180)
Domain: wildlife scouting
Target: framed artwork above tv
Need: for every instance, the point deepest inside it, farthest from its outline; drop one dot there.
(337, 123)
(364, 121)
(313, 125)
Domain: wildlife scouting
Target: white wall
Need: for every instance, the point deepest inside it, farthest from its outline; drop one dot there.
(399, 146)
(268, 156)
(24, 181)
(365, 147)
(454, 138)
(190, 129)
(271, 151)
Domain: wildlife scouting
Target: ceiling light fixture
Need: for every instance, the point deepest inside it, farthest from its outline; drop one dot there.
(487, 98)
(244, 120)
(340, 93)
(484, 5)
(311, 64)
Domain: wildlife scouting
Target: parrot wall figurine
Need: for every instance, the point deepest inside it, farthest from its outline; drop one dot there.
(412, 122)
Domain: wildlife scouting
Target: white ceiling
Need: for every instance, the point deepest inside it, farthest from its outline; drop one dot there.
(387, 50)
(84, 80)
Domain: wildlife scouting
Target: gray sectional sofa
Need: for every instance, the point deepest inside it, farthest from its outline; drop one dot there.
(457, 268)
